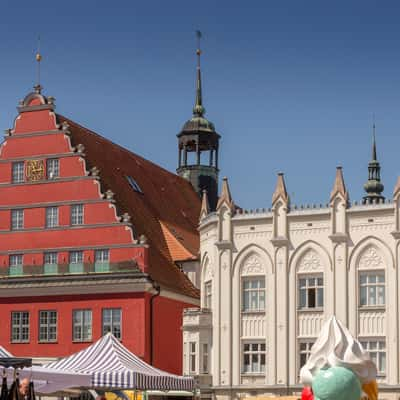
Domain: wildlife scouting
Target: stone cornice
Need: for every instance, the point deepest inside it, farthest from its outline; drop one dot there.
(66, 249)
(65, 227)
(39, 107)
(30, 134)
(41, 156)
(50, 181)
(95, 283)
(53, 203)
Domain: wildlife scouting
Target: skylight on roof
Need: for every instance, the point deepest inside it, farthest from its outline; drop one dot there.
(134, 185)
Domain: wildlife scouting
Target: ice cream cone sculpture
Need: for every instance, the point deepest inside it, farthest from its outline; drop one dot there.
(338, 367)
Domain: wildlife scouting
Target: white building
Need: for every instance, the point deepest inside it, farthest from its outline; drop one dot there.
(269, 278)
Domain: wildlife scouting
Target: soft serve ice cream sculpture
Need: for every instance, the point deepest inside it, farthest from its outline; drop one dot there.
(338, 367)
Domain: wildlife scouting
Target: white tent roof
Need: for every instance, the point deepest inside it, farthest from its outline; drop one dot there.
(47, 380)
(112, 365)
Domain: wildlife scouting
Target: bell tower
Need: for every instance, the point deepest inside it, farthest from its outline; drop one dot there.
(198, 146)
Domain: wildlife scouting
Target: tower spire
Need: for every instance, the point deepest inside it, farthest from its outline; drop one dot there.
(373, 142)
(198, 109)
(38, 87)
(374, 187)
(199, 137)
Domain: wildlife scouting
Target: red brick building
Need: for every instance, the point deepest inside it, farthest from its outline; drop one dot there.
(91, 236)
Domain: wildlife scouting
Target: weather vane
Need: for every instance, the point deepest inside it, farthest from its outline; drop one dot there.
(38, 59)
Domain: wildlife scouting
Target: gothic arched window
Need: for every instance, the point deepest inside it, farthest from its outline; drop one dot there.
(371, 278)
(253, 285)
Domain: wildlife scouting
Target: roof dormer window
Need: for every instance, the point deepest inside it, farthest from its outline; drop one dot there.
(134, 185)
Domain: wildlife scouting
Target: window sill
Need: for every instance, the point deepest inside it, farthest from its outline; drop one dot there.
(371, 308)
(48, 342)
(255, 374)
(82, 341)
(309, 310)
(249, 312)
(20, 342)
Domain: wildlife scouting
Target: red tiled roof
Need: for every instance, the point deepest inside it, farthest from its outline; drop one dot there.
(166, 210)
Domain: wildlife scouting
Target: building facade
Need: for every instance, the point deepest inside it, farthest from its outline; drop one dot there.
(92, 239)
(269, 279)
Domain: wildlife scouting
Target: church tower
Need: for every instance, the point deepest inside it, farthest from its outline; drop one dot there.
(374, 187)
(197, 140)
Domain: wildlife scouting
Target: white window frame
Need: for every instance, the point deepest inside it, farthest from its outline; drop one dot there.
(18, 172)
(208, 294)
(48, 320)
(375, 286)
(259, 352)
(192, 357)
(52, 220)
(380, 348)
(17, 219)
(258, 291)
(77, 214)
(310, 288)
(102, 256)
(85, 324)
(52, 168)
(16, 259)
(114, 324)
(50, 257)
(76, 257)
(307, 343)
(20, 326)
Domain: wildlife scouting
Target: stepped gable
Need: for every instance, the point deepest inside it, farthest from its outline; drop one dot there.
(165, 207)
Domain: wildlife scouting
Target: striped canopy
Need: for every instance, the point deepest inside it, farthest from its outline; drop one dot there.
(4, 352)
(111, 365)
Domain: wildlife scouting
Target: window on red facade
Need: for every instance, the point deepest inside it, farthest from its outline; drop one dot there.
(17, 172)
(47, 326)
(82, 325)
(77, 214)
(17, 219)
(20, 326)
(52, 166)
(51, 217)
(112, 321)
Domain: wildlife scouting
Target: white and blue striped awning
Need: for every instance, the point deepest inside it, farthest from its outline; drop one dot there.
(111, 365)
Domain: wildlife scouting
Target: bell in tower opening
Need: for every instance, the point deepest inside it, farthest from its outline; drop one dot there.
(198, 147)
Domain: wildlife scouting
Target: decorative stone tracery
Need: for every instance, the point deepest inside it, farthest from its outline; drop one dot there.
(371, 259)
(310, 262)
(253, 266)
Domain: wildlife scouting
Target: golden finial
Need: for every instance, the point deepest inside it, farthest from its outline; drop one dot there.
(38, 59)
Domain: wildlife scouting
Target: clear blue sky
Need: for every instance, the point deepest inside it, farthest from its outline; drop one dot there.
(291, 86)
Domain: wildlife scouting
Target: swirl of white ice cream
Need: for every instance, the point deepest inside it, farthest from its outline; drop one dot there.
(336, 346)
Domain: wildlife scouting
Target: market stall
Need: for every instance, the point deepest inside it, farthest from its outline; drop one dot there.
(45, 380)
(112, 366)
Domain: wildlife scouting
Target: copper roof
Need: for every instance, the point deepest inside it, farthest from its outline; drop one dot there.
(165, 208)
